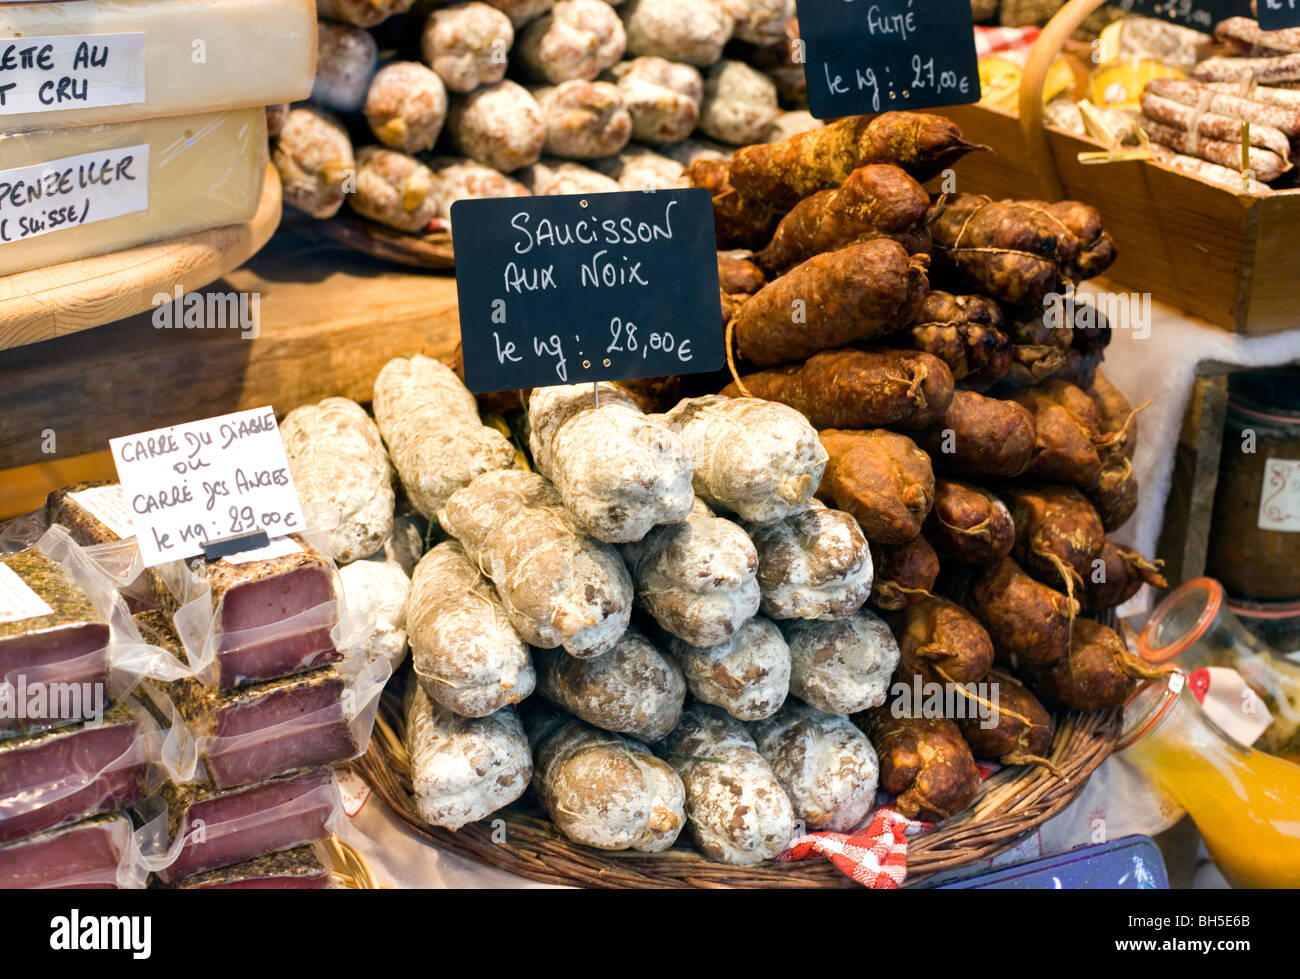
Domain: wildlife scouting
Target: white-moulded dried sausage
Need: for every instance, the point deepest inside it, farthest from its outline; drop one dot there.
(466, 654)
(463, 769)
(760, 22)
(694, 31)
(345, 62)
(739, 104)
(435, 439)
(737, 810)
(843, 666)
(551, 176)
(406, 106)
(748, 676)
(828, 768)
(500, 125)
(521, 12)
(608, 791)
(584, 120)
(461, 179)
(634, 689)
(698, 579)
(640, 168)
(314, 158)
(466, 44)
(663, 98)
(394, 189)
(362, 13)
(620, 472)
(577, 39)
(812, 565)
(757, 459)
(341, 473)
(376, 591)
(559, 587)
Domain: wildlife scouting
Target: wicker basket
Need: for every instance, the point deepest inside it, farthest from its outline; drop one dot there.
(1010, 804)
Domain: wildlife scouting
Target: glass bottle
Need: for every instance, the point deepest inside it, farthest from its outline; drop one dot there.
(1245, 803)
(1194, 628)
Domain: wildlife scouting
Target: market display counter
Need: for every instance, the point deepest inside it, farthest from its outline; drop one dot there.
(327, 321)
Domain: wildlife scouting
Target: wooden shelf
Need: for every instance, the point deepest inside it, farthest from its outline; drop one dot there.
(329, 320)
(52, 302)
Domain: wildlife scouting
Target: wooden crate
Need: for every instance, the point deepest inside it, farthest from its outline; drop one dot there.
(1230, 258)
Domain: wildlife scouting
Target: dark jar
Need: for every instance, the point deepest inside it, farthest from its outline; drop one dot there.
(1254, 547)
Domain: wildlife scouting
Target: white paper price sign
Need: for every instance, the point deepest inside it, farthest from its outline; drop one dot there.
(1279, 497)
(44, 74)
(209, 480)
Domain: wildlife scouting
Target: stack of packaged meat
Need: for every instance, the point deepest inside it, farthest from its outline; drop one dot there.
(75, 750)
(257, 676)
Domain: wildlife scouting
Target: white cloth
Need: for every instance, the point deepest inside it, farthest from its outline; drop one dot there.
(1160, 363)
(399, 857)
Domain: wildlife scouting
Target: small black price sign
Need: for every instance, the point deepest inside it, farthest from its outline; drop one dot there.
(1199, 15)
(586, 287)
(864, 57)
(1278, 15)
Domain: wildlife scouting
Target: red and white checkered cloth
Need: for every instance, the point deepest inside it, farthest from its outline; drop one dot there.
(991, 39)
(875, 854)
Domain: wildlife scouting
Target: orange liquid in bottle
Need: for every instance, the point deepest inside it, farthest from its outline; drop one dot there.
(1245, 803)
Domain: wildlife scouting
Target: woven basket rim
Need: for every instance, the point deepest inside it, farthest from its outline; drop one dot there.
(1010, 804)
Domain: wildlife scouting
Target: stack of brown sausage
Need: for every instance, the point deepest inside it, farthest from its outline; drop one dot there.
(968, 429)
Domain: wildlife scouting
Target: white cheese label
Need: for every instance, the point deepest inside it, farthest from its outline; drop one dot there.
(67, 71)
(107, 504)
(73, 191)
(204, 481)
(17, 600)
(276, 548)
(1279, 497)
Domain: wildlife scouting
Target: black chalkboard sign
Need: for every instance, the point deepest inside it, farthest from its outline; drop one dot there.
(863, 56)
(1277, 15)
(586, 287)
(1200, 15)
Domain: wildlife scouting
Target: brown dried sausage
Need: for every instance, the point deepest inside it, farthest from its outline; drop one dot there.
(881, 478)
(859, 292)
(905, 573)
(969, 524)
(966, 333)
(981, 435)
(858, 388)
(785, 172)
(874, 200)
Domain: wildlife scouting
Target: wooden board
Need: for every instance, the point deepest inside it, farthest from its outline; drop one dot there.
(329, 320)
(1185, 533)
(430, 251)
(62, 299)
